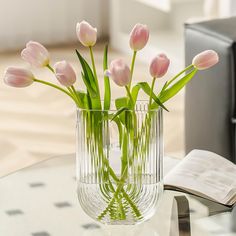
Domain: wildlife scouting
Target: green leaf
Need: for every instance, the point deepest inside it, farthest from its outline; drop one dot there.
(91, 84)
(121, 102)
(91, 91)
(190, 67)
(122, 109)
(107, 95)
(146, 88)
(175, 88)
(88, 76)
(164, 86)
(89, 100)
(134, 92)
(96, 103)
(83, 97)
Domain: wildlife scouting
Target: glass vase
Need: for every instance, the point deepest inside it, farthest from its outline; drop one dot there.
(119, 163)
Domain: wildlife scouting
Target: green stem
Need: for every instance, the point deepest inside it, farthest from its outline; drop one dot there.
(95, 76)
(130, 96)
(56, 87)
(124, 159)
(93, 64)
(107, 87)
(50, 68)
(121, 189)
(117, 192)
(180, 73)
(70, 90)
(131, 203)
(121, 209)
(132, 67)
(76, 95)
(119, 182)
(126, 196)
(150, 98)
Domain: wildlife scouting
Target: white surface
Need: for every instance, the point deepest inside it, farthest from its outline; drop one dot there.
(57, 176)
(37, 204)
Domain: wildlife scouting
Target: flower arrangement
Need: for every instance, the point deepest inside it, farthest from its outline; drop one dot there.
(115, 191)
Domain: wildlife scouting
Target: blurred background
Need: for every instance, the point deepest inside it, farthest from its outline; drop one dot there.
(37, 122)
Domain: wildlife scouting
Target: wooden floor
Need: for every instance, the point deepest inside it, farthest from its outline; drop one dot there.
(38, 122)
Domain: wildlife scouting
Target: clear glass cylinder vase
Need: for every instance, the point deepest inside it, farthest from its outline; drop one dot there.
(119, 163)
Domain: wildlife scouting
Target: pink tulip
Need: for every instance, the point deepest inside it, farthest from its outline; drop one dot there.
(159, 66)
(119, 72)
(205, 59)
(36, 54)
(18, 77)
(139, 37)
(86, 34)
(65, 73)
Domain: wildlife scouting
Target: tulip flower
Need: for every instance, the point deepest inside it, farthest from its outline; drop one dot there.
(205, 59)
(139, 37)
(18, 77)
(65, 73)
(119, 72)
(86, 34)
(159, 66)
(35, 54)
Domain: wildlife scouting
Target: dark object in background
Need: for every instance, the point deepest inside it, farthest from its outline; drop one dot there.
(210, 113)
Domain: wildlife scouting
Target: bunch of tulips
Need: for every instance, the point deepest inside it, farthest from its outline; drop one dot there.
(38, 56)
(121, 73)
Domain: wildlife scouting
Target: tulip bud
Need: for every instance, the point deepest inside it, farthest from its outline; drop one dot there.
(35, 54)
(18, 77)
(86, 34)
(139, 37)
(65, 73)
(119, 72)
(205, 59)
(159, 66)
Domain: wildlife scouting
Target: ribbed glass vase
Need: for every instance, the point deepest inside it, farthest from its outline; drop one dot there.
(119, 163)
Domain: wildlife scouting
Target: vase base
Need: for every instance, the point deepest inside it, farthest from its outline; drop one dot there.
(134, 204)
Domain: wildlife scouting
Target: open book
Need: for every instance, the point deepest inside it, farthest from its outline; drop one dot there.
(204, 174)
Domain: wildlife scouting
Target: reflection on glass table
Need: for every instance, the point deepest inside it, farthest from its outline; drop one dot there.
(41, 200)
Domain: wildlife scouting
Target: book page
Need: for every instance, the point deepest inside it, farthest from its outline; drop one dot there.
(206, 174)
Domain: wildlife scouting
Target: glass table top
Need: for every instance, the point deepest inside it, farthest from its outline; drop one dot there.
(41, 200)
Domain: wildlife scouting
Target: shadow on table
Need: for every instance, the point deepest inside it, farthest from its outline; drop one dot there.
(180, 224)
(180, 221)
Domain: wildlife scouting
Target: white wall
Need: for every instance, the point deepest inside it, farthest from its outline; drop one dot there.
(219, 8)
(48, 21)
(96, 12)
(227, 8)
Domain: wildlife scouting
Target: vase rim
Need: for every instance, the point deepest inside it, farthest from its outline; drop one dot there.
(141, 106)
